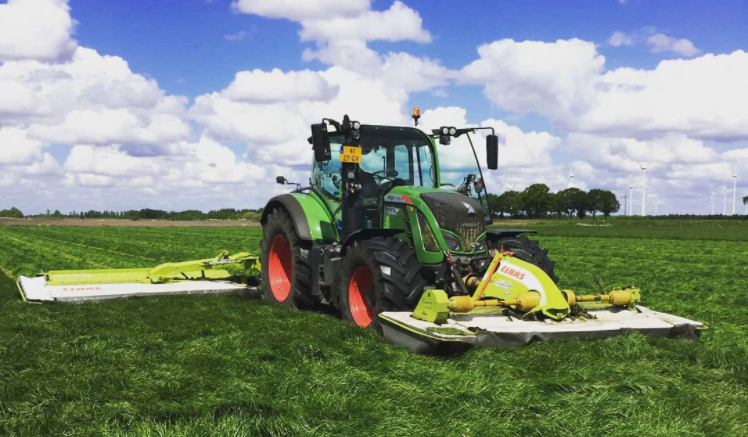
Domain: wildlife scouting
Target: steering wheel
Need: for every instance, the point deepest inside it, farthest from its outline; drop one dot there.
(385, 174)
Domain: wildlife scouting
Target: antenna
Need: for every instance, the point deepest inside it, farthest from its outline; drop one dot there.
(571, 176)
(734, 189)
(724, 200)
(644, 186)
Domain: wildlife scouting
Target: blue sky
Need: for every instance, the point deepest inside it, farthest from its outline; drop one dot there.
(181, 42)
(195, 48)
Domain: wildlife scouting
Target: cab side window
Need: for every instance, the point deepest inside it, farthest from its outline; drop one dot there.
(326, 175)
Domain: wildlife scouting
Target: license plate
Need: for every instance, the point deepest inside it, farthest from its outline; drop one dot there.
(350, 154)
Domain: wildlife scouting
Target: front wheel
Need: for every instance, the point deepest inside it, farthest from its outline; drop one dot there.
(286, 277)
(377, 275)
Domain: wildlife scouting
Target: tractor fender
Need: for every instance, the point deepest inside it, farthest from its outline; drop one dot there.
(310, 219)
(294, 209)
(366, 234)
(497, 234)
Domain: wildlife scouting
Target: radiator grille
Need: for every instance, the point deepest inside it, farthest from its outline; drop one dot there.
(457, 213)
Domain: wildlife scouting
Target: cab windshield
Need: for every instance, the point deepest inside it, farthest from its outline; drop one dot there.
(390, 155)
(460, 170)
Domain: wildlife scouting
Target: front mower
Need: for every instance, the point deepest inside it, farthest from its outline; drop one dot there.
(516, 303)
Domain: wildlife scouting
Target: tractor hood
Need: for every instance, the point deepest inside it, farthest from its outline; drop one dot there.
(447, 212)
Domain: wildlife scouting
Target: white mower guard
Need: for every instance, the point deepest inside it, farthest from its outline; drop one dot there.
(497, 330)
(36, 289)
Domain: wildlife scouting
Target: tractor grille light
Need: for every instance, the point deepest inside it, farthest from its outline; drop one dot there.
(452, 242)
(429, 240)
(480, 246)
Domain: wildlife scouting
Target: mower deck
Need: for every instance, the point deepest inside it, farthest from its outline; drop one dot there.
(462, 331)
(37, 289)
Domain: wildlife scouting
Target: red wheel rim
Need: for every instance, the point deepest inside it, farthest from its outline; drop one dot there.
(361, 282)
(280, 270)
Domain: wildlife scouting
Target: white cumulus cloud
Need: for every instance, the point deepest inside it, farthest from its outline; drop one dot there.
(17, 148)
(554, 79)
(36, 29)
(258, 86)
(619, 39)
(660, 42)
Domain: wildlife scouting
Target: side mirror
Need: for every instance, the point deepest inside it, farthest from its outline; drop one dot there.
(320, 142)
(478, 185)
(492, 152)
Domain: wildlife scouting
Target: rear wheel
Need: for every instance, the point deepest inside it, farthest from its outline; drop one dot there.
(527, 250)
(286, 277)
(381, 274)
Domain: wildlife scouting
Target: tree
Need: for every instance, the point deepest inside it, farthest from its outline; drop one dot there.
(573, 201)
(535, 200)
(557, 204)
(13, 212)
(506, 203)
(603, 201)
(594, 198)
(495, 204)
(581, 203)
(608, 203)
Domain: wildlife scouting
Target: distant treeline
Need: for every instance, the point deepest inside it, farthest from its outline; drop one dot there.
(146, 214)
(537, 201)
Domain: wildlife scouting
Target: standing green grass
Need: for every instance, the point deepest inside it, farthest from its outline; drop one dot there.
(222, 366)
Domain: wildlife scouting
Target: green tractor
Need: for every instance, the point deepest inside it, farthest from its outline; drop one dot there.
(378, 224)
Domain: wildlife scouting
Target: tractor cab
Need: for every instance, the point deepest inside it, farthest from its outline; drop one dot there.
(392, 157)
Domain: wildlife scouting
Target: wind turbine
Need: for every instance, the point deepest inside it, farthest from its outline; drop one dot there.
(656, 203)
(571, 176)
(734, 189)
(724, 200)
(631, 203)
(711, 198)
(644, 186)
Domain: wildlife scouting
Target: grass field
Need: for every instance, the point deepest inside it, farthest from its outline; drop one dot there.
(205, 366)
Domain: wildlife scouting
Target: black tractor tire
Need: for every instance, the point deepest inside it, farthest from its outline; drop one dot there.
(527, 250)
(286, 277)
(380, 274)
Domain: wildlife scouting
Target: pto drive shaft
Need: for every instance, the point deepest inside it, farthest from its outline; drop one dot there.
(530, 299)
